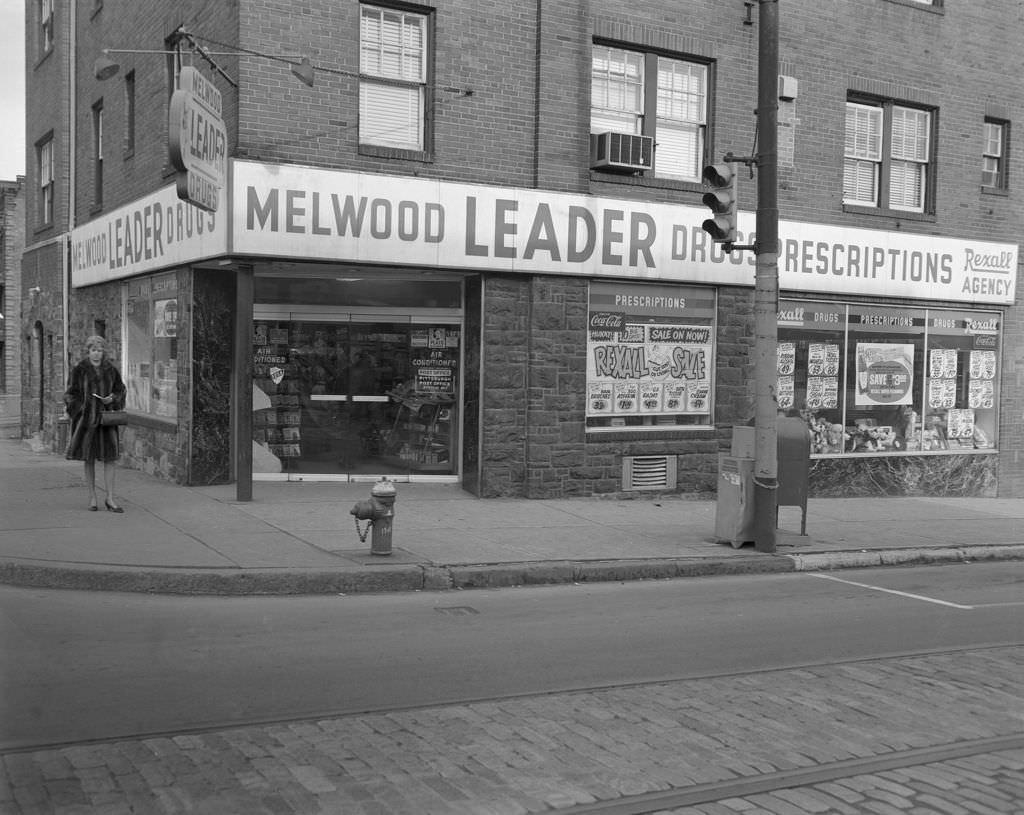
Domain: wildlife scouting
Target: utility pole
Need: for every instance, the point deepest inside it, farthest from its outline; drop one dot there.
(766, 280)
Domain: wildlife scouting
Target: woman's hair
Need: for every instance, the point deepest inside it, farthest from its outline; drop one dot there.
(95, 340)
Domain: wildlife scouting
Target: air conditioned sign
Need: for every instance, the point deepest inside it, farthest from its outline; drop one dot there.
(311, 213)
(198, 140)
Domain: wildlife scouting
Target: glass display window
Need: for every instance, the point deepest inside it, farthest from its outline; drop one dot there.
(884, 377)
(338, 393)
(878, 380)
(151, 345)
(650, 356)
(962, 390)
(812, 367)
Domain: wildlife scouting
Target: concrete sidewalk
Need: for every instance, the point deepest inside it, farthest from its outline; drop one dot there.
(299, 538)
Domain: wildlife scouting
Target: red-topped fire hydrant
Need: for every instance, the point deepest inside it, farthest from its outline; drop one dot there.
(378, 512)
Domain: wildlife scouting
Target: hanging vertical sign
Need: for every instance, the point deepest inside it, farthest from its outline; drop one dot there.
(198, 139)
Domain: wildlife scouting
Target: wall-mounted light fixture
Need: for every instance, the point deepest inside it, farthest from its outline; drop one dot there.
(301, 67)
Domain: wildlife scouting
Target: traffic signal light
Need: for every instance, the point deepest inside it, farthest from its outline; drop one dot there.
(721, 178)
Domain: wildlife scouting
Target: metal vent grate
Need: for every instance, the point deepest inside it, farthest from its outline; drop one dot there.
(648, 473)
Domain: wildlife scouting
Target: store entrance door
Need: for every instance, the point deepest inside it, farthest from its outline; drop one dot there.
(355, 397)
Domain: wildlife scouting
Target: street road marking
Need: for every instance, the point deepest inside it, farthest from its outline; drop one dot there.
(889, 591)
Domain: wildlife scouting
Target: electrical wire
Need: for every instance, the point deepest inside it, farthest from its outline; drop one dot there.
(327, 70)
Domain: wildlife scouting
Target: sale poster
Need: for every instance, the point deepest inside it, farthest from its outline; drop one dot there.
(651, 369)
(982, 394)
(942, 363)
(785, 392)
(600, 398)
(650, 397)
(885, 373)
(960, 424)
(983, 364)
(627, 397)
(786, 358)
(675, 396)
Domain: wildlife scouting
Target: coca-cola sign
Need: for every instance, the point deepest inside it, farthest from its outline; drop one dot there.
(607, 320)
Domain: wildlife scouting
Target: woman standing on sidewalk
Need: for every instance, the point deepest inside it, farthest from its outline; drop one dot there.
(95, 385)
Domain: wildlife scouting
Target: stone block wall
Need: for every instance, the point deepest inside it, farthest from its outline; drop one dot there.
(207, 424)
(534, 441)
(43, 351)
(12, 245)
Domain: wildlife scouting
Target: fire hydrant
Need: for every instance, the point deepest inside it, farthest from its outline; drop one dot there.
(378, 512)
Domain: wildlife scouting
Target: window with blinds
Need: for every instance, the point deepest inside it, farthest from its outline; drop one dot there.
(910, 148)
(616, 91)
(393, 76)
(862, 155)
(887, 156)
(667, 99)
(682, 118)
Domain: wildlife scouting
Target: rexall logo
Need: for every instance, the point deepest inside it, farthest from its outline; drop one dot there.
(998, 262)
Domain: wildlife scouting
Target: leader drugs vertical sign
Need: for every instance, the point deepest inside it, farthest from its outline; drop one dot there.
(198, 140)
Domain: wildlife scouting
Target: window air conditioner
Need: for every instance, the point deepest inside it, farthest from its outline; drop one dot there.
(621, 151)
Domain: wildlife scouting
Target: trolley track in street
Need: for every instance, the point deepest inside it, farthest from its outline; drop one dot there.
(667, 800)
(341, 713)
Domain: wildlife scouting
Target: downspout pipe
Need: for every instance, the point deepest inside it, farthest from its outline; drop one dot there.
(72, 178)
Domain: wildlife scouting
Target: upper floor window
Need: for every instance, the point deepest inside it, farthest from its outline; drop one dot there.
(97, 153)
(656, 96)
(129, 113)
(993, 167)
(393, 78)
(45, 26)
(887, 156)
(45, 173)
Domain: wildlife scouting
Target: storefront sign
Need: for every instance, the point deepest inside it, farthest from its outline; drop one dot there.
(155, 232)
(310, 213)
(198, 140)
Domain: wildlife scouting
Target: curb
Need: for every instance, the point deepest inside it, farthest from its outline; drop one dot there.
(438, 577)
(821, 561)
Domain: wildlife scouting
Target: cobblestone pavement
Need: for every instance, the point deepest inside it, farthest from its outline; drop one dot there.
(988, 783)
(609, 749)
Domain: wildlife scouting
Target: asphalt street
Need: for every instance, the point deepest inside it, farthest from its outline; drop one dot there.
(864, 728)
(726, 740)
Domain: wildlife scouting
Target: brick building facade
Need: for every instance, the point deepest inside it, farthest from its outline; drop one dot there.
(424, 266)
(12, 244)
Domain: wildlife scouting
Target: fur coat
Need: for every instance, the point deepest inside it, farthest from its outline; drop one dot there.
(89, 440)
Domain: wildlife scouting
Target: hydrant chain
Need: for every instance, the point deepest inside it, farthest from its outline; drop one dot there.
(362, 533)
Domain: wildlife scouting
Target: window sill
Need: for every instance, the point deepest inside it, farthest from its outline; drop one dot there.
(396, 153)
(932, 8)
(959, 451)
(999, 192)
(896, 214)
(596, 176)
(664, 433)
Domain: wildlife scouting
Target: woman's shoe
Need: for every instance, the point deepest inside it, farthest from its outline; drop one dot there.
(112, 507)
(93, 507)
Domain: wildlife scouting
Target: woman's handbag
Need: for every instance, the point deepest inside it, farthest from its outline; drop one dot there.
(113, 418)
